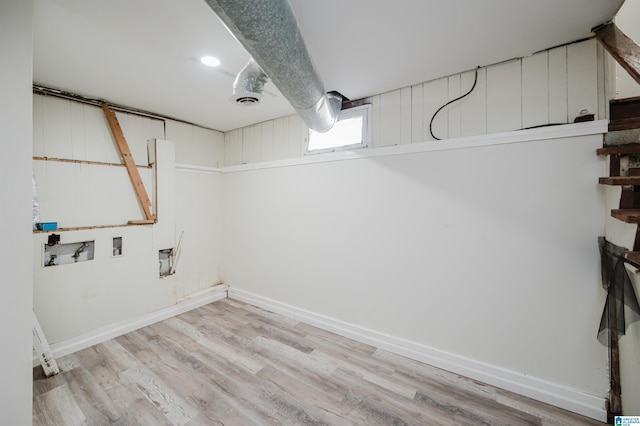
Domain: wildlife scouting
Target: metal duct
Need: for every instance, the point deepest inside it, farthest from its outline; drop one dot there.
(268, 30)
(249, 84)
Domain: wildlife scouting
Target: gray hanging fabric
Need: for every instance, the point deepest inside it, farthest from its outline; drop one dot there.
(620, 292)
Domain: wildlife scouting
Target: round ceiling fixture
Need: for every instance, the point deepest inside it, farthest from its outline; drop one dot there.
(210, 61)
(246, 98)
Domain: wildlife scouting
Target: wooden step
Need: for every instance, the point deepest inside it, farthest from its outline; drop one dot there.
(627, 215)
(620, 180)
(630, 148)
(632, 257)
(620, 109)
(629, 199)
(624, 124)
(624, 114)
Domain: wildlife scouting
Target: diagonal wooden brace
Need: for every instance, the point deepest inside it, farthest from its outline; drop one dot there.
(623, 49)
(127, 158)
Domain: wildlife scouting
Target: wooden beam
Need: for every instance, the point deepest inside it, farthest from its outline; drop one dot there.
(127, 158)
(141, 222)
(94, 163)
(623, 49)
(86, 228)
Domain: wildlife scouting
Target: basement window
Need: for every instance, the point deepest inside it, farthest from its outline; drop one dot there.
(350, 131)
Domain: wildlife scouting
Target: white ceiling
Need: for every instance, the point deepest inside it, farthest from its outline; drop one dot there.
(145, 53)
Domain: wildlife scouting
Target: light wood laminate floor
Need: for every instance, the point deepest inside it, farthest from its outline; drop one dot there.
(229, 363)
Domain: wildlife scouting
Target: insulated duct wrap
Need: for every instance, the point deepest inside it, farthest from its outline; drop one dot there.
(249, 84)
(36, 203)
(268, 30)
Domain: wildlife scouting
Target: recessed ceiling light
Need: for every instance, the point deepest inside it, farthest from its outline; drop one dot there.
(210, 61)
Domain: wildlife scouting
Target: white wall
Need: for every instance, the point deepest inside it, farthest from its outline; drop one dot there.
(628, 20)
(15, 198)
(489, 253)
(199, 152)
(549, 87)
(630, 360)
(78, 299)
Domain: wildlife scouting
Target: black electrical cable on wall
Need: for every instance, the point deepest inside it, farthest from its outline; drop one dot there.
(475, 81)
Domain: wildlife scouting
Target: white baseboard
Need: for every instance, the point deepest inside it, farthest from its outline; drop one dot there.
(102, 334)
(532, 387)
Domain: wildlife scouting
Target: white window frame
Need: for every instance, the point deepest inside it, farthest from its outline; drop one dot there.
(363, 111)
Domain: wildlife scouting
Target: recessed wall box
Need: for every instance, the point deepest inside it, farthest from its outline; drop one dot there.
(61, 254)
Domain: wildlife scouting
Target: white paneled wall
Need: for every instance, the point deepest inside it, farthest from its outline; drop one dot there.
(271, 140)
(87, 195)
(199, 154)
(72, 130)
(546, 88)
(549, 87)
(77, 299)
(76, 194)
(198, 222)
(196, 145)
